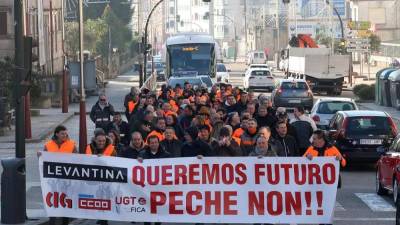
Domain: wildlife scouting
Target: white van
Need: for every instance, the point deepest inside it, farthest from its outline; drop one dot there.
(256, 57)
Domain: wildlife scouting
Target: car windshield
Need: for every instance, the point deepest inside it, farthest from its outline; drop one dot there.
(259, 55)
(368, 125)
(294, 85)
(181, 82)
(333, 107)
(207, 81)
(221, 68)
(260, 73)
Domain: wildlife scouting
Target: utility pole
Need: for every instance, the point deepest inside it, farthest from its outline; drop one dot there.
(211, 19)
(245, 24)
(277, 33)
(82, 104)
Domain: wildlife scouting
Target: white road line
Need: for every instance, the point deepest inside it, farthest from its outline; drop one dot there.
(339, 207)
(364, 219)
(375, 202)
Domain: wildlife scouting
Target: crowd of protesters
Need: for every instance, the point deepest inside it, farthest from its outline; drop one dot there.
(188, 122)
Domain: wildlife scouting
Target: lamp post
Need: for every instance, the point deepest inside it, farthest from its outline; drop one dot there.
(82, 102)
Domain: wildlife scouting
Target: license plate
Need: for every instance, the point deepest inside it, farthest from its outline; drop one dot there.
(370, 141)
(295, 101)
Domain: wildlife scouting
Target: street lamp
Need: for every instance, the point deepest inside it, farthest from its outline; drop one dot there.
(82, 102)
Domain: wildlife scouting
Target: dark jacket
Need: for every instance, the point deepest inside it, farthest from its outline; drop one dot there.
(102, 117)
(146, 153)
(248, 142)
(232, 150)
(123, 130)
(196, 148)
(130, 152)
(185, 122)
(174, 147)
(137, 126)
(304, 132)
(240, 107)
(231, 108)
(289, 145)
(266, 121)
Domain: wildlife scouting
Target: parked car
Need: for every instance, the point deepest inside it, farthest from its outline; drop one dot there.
(387, 169)
(325, 108)
(359, 133)
(222, 73)
(292, 93)
(256, 57)
(258, 78)
(158, 68)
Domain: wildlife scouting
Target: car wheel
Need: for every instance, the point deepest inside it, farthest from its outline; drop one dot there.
(395, 190)
(380, 190)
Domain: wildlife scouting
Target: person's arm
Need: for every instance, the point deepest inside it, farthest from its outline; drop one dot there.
(93, 114)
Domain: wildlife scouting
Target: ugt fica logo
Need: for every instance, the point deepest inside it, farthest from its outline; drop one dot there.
(56, 199)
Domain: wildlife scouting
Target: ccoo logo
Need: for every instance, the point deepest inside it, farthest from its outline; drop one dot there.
(56, 199)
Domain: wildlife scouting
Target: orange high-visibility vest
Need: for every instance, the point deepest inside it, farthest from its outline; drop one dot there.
(329, 152)
(237, 140)
(108, 151)
(174, 106)
(67, 147)
(156, 133)
(131, 106)
(238, 132)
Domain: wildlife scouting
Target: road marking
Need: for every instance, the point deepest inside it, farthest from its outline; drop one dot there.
(375, 203)
(339, 207)
(364, 219)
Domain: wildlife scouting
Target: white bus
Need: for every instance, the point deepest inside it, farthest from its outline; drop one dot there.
(191, 54)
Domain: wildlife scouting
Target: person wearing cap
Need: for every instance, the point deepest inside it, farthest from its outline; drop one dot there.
(241, 105)
(101, 113)
(131, 102)
(193, 147)
(225, 145)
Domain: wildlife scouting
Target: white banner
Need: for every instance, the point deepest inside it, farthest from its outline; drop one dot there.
(208, 190)
(42, 51)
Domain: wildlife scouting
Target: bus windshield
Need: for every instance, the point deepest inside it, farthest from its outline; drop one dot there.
(191, 57)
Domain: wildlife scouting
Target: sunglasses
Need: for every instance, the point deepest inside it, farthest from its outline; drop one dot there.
(103, 100)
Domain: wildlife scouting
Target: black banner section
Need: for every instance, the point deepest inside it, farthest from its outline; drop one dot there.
(85, 172)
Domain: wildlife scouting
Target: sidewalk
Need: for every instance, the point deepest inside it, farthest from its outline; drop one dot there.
(394, 113)
(44, 124)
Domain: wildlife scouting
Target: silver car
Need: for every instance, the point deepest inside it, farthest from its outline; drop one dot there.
(325, 108)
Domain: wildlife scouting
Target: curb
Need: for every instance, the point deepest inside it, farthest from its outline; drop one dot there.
(46, 133)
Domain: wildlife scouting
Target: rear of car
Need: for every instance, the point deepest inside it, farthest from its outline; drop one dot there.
(257, 57)
(194, 81)
(293, 93)
(222, 73)
(362, 132)
(325, 109)
(260, 79)
(265, 66)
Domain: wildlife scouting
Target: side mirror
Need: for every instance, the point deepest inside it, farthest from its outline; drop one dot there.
(382, 150)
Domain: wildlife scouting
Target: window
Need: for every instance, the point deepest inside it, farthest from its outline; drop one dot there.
(3, 23)
(368, 125)
(333, 107)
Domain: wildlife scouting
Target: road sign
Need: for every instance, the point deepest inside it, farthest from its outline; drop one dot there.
(359, 25)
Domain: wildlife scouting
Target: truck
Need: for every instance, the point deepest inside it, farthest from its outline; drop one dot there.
(322, 70)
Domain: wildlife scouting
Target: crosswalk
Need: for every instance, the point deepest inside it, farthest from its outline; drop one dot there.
(369, 201)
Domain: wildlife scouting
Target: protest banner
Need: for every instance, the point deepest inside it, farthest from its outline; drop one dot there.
(208, 190)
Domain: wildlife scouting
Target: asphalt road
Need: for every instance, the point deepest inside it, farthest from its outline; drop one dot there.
(356, 204)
